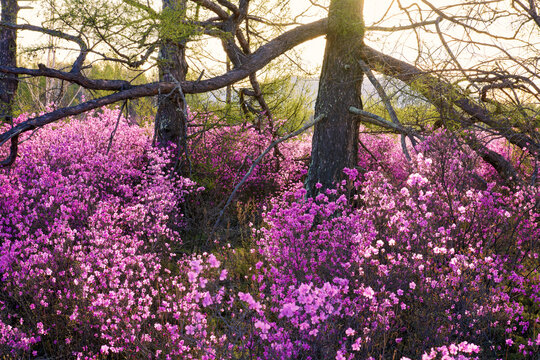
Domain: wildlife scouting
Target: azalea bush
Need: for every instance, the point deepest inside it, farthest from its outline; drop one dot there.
(381, 266)
(429, 259)
(223, 154)
(220, 155)
(85, 230)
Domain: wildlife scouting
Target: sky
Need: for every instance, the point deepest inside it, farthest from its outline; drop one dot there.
(400, 44)
(312, 52)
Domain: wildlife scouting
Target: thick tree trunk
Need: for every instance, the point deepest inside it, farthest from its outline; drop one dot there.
(8, 57)
(335, 139)
(170, 117)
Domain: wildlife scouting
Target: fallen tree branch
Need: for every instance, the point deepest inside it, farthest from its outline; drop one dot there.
(444, 95)
(382, 122)
(257, 161)
(499, 163)
(386, 101)
(503, 167)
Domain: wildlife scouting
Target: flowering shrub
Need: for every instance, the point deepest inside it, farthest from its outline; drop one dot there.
(224, 154)
(220, 157)
(452, 352)
(521, 159)
(404, 266)
(416, 260)
(382, 153)
(84, 233)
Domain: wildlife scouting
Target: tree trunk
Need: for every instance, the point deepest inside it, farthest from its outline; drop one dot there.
(8, 57)
(170, 117)
(335, 139)
(228, 89)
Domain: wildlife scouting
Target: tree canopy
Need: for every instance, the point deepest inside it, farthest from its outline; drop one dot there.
(475, 62)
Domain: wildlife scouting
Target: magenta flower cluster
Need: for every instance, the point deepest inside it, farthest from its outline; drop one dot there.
(431, 259)
(383, 265)
(222, 155)
(84, 235)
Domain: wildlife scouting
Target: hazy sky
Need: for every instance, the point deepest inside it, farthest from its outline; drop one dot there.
(311, 52)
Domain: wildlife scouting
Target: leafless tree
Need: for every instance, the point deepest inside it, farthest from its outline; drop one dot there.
(476, 62)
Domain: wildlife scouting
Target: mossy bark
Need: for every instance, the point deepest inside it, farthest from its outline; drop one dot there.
(335, 139)
(8, 57)
(170, 118)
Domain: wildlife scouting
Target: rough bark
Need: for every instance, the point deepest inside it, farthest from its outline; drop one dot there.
(8, 57)
(170, 118)
(335, 139)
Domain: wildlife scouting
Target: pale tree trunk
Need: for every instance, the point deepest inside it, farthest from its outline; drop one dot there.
(170, 117)
(8, 57)
(50, 83)
(335, 139)
(228, 89)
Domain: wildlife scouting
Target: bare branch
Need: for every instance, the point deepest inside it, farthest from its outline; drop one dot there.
(531, 10)
(387, 104)
(401, 27)
(113, 132)
(258, 160)
(382, 122)
(447, 47)
(76, 78)
(457, 21)
(77, 65)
